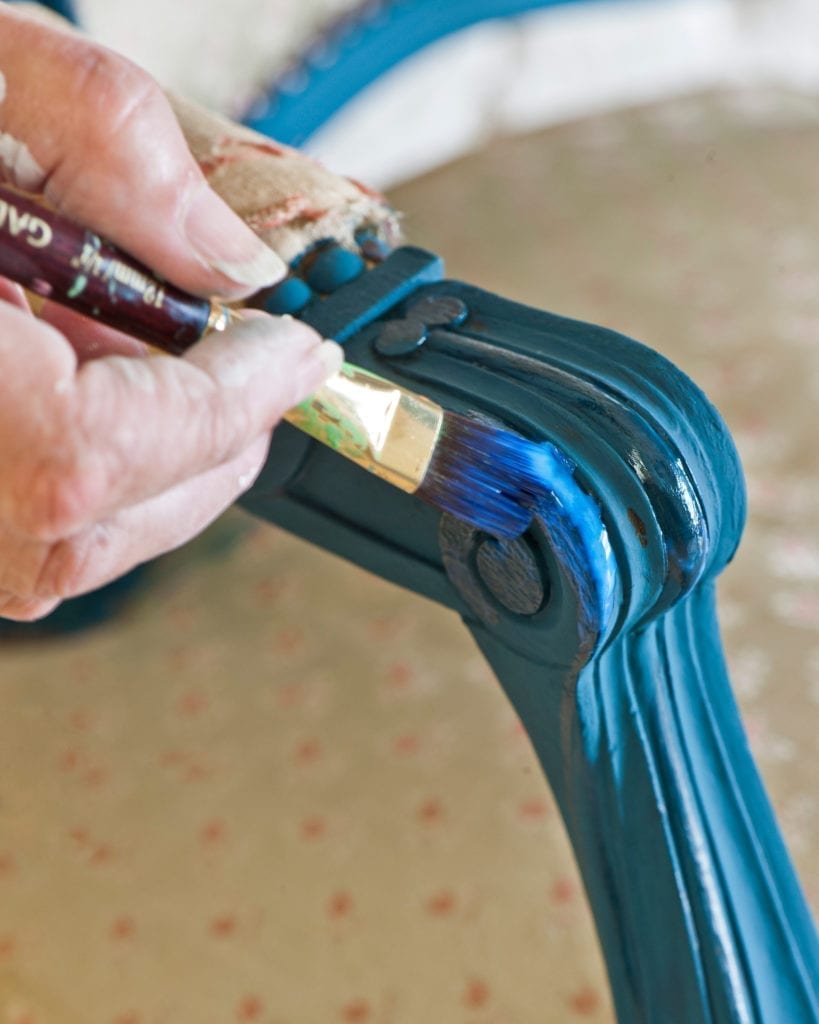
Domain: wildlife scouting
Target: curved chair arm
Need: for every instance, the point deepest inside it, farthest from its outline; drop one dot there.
(599, 623)
(357, 48)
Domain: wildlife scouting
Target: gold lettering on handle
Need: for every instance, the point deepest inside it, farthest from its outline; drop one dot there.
(96, 264)
(40, 234)
(18, 222)
(91, 262)
(35, 230)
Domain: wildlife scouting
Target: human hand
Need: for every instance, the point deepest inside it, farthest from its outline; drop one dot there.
(110, 455)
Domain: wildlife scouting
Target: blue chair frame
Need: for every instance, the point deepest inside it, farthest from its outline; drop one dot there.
(601, 622)
(354, 51)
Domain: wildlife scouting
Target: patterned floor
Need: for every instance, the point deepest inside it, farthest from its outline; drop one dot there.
(278, 790)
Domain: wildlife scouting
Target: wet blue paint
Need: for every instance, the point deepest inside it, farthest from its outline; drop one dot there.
(617, 672)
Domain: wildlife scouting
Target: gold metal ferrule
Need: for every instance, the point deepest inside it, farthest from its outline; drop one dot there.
(389, 431)
(220, 318)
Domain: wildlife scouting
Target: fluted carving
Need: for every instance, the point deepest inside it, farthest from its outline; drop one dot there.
(601, 626)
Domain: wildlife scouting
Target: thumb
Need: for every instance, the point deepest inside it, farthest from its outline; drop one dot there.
(95, 134)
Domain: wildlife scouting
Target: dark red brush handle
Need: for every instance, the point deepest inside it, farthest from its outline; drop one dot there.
(61, 261)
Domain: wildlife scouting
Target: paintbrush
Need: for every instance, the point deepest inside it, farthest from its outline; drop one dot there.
(481, 473)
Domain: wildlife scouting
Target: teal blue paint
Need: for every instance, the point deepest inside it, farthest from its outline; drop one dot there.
(619, 676)
(64, 7)
(363, 44)
(620, 679)
(334, 267)
(356, 305)
(568, 502)
(290, 296)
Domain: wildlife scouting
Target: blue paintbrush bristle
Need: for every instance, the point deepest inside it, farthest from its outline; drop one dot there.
(488, 476)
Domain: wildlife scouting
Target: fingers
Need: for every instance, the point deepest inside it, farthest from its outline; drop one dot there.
(35, 578)
(96, 134)
(112, 462)
(108, 461)
(89, 338)
(77, 445)
(12, 294)
(25, 609)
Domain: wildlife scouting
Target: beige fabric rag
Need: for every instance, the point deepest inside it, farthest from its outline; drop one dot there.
(290, 200)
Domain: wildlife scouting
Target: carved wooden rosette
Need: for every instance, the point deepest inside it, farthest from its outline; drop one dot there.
(600, 624)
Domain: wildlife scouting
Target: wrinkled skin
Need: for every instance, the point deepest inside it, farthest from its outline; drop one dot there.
(110, 454)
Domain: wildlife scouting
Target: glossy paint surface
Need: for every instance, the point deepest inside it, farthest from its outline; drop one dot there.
(609, 647)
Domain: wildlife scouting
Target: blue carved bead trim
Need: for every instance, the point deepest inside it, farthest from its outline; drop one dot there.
(290, 296)
(353, 306)
(338, 290)
(626, 421)
(333, 268)
(360, 46)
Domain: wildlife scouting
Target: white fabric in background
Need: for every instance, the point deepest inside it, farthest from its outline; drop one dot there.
(507, 76)
(217, 52)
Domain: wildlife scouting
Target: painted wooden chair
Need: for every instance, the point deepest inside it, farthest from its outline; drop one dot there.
(599, 623)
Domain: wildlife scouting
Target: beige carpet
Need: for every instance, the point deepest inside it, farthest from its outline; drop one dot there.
(281, 791)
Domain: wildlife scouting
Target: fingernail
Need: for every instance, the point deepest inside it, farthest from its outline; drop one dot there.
(222, 241)
(331, 355)
(246, 479)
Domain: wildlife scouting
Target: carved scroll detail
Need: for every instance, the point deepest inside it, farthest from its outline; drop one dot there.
(600, 625)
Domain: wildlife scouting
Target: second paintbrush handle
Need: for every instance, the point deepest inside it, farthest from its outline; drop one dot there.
(65, 263)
